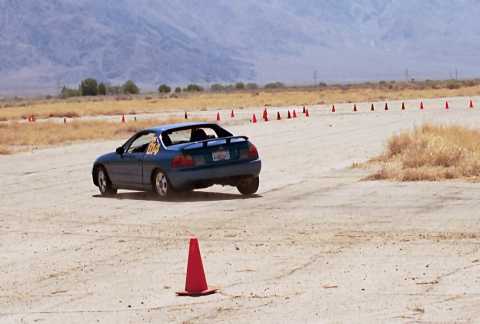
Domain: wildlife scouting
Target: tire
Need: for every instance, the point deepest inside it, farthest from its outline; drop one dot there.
(104, 184)
(248, 186)
(161, 185)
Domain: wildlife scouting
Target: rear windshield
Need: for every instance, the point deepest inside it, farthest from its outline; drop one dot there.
(193, 134)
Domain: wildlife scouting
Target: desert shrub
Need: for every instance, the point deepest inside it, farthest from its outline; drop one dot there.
(69, 93)
(89, 87)
(274, 85)
(431, 153)
(102, 89)
(193, 88)
(163, 88)
(130, 87)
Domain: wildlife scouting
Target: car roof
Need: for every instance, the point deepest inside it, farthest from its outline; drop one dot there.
(162, 128)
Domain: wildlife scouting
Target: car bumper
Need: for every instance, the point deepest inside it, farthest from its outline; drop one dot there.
(185, 178)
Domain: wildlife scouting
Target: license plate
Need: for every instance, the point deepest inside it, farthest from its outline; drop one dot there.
(220, 155)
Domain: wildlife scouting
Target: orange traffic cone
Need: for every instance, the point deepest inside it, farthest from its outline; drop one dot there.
(446, 105)
(386, 106)
(289, 116)
(278, 116)
(333, 108)
(195, 283)
(218, 116)
(372, 108)
(471, 104)
(232, 114)
(307, 114)
(403, 106)
(421, 105)
(304, 110)
(186, 115)
(254, 119)
(354, 107)
(123, 118)
(265, 114)
(294, 114)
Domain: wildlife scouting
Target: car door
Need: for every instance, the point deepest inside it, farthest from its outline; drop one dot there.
(129, 168)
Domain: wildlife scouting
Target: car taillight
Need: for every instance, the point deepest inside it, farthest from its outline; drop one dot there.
(182, 161)
(252, 152)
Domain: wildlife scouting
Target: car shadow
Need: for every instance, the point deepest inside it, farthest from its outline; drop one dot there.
(180, 197)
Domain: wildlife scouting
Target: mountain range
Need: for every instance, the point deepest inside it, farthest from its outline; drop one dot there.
(48, 44)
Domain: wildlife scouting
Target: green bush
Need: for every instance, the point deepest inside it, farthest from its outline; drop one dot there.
(251, 86)
(217, 87)
(130, 87)
(193, 88)
(69, 92)
(89, 87)
(178, 90)
(102, 89)
(239, 85)
(163, 88)
(274, 85)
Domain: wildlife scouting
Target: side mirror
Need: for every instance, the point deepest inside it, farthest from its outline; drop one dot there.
(120, 150)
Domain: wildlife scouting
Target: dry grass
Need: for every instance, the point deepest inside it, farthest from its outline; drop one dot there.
(16, 137)
(206, 100)
(431, 153)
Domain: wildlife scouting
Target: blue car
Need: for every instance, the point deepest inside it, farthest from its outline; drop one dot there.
(179, 157)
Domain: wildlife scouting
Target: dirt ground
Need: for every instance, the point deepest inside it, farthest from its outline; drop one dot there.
(315, 245)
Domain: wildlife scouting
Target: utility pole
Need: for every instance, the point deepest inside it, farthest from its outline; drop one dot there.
(407, 76)
(456, 74)
(315, 78)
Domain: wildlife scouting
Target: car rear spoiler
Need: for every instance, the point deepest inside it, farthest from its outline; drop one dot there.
(204, 144)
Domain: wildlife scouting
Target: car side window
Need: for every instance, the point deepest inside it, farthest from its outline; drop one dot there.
(140, 144)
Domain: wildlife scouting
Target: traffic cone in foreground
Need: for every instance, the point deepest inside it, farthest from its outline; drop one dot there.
(232, 114)
(278, 116)
(403, 106)
(123, 118)
(447, 105)
(471, 104)
(386, 106)
(186, 115)
(372, 108)
(421, 105)
(218, 116)
(354, 107)
(265, 114)
(294, 114)
(333, 108)
(254, 119)
(289, 116)
(195, 283)
(307, 114)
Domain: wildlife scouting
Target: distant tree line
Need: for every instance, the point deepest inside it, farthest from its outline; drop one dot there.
(90, 87)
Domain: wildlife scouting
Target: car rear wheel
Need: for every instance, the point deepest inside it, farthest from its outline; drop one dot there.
(161, 185)
(104, 184)
(248, 186)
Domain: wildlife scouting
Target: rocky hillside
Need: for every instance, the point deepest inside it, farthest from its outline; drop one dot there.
(45, 44)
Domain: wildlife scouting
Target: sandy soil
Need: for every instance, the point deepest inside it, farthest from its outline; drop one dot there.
(316, 245)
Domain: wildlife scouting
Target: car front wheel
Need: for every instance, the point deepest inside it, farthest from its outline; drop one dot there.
(104, 184)
(248, 186)
(161, 185)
